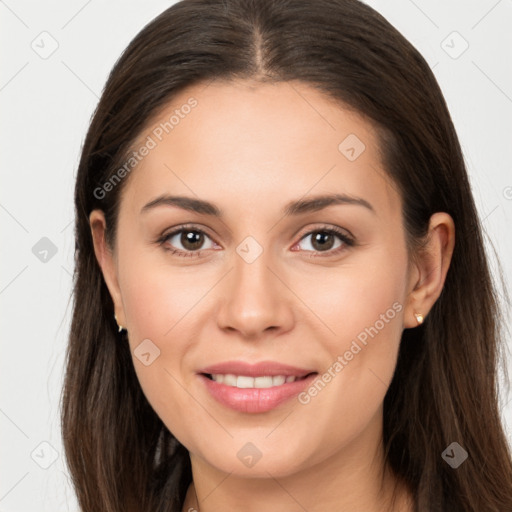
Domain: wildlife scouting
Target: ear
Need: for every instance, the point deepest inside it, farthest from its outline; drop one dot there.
(107, 261)
(430, 266)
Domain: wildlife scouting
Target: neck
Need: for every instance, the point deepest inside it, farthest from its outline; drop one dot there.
(354, 478)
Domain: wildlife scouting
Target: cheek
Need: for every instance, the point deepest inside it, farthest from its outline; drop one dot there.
(371, 320)
(363, 307)
(160, 303)
(159, 347)
(157, 296)
(361, 298)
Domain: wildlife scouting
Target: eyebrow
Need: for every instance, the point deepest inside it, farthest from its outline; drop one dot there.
(311, 204)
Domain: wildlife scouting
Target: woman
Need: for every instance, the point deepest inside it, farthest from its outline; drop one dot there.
(282, 299)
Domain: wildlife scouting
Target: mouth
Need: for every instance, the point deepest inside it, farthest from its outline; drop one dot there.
(254, 388)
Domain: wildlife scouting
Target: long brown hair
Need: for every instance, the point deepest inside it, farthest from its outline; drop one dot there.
(445, 389)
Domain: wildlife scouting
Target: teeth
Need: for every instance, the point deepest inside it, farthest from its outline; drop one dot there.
(278, 380)
(263, 382)
(229, 380)
(243, 381)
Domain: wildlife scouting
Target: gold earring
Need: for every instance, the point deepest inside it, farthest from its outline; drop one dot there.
(120, 326)
(419, 317)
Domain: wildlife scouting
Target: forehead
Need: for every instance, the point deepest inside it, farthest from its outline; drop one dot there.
(245, 142)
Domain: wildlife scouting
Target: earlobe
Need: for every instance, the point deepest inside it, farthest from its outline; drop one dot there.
(106, 261)
(432, 264)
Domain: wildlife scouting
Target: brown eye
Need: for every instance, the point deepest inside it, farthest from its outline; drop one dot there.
(324, 241)
(192, 240)
(186, 241)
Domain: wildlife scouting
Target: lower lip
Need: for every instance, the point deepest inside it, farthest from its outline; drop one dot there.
(255, 400)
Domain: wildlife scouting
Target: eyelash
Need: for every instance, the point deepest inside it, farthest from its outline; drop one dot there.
(347, 241)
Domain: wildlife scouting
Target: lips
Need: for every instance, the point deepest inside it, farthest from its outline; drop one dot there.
(254, 388)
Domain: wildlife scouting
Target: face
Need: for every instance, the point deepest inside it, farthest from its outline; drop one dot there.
(264, 326)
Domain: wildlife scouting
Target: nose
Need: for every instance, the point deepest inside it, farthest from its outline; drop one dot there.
(256, 300)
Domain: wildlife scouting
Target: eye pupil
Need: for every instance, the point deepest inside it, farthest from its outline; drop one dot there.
(320, 237)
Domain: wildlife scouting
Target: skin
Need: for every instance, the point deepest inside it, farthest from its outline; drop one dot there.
(250, 149)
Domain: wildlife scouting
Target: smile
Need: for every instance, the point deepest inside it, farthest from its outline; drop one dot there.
(254, 388)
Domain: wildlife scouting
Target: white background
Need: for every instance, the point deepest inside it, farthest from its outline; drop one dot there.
(48, 104)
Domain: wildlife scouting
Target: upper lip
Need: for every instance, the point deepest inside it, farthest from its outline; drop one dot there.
(263, 368)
